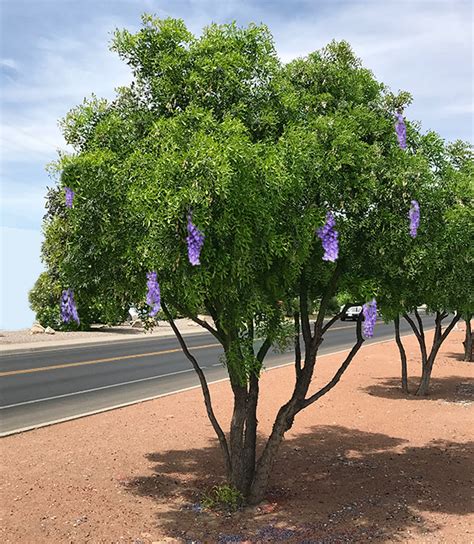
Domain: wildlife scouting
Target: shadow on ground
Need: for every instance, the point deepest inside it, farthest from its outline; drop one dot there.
(332, 485)
(458, 356)
(450, 389)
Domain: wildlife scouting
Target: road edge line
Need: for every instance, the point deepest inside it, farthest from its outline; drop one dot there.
(138, 401)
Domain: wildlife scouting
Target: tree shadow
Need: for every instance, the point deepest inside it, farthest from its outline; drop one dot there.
(456, 389)
(333, 484)
(457, 356)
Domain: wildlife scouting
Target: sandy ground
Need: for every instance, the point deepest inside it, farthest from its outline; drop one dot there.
(365, 464)
(21, 339)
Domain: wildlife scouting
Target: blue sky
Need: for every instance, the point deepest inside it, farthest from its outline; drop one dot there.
(55, 52)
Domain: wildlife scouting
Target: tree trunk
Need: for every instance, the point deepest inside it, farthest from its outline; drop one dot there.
(239, 470)
(283, 422)
(439, 338)
(298, 402)
(468, 355)
(403, 355)
(248, 476)
(424, 385)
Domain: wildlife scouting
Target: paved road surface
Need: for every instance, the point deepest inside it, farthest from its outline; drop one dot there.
(39, 387)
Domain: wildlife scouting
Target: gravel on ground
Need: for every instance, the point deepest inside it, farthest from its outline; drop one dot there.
(364, 464)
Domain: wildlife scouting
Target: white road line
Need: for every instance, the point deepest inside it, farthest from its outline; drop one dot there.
(120, 384)
(96, 389)
(34, 349)
(137, 401)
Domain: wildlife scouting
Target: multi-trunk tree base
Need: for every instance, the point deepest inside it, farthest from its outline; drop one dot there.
(427, 359)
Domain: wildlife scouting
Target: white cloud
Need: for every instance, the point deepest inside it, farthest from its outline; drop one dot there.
(66, 71)
(9, 63)
(458, 109)
(35, 138)
(424, 47)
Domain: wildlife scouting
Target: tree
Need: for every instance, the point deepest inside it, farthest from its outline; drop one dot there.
(257, 153)
(45, 295)
(433, 268)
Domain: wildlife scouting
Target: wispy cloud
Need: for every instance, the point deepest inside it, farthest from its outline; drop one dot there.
(66, 71)
(56, 53)
(9, 63)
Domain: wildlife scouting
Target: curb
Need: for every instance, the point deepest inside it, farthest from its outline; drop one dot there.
(86, 342)
(154, 397)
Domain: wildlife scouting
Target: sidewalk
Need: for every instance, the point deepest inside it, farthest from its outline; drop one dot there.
(22, 340)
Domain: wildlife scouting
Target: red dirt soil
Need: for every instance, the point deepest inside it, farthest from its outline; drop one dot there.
(364, 464)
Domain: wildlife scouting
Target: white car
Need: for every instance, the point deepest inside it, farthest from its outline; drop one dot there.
(351, 312)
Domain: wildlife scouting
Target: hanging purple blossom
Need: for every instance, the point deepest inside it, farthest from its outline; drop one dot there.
(68, 307)
(328, 235)
(153, 297)
(401, 131)
(414, 215)
(195, 240)
(69, 197)
(369, 311)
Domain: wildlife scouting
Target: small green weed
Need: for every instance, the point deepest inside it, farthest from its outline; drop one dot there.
(223, 497)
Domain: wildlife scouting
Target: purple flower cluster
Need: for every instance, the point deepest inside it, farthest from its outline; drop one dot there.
(68, 307)
(153, 297)
(328, 235)
(195, 240)
(69, 197)
(369, 311)
(414, 215)
(401, 131)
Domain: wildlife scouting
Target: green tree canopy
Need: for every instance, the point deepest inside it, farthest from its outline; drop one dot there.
(259, 152)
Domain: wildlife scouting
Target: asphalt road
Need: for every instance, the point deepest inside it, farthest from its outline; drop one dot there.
(56, 384)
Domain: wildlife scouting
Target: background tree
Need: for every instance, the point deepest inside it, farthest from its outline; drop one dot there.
(259, 152)
(433, 269)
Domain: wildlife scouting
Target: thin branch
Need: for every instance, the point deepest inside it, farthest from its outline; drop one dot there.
(341, 370)
(403, 355)
(412, 324)
(267, 344)
(420, 323)
(330, 290)
(305, 325)
(205, 389)
(438, 329)
(331, 322)
(296, 318)
(201, 322)
(208, 327)
(450, 327)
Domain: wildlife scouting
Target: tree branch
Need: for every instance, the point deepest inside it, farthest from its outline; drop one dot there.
(419, 335)
(341, 370)
(296, 318)
(208, 327)
(438, 329)
(267, 344)
(329, 292)
(331, 322)
(201, 322)
(205, 389)
(420, 323)
(305, 325)
(450, 327)
(403, 355)
(412, 324)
